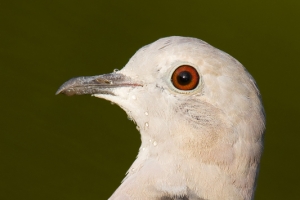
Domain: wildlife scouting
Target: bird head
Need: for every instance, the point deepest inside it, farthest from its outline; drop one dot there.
(199, 113)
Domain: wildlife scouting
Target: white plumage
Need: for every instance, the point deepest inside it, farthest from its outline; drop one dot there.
(201, 142)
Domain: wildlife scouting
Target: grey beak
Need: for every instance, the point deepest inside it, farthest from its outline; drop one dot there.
(101, 84)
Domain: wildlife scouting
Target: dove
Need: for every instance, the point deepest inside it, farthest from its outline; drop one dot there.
(200, 117)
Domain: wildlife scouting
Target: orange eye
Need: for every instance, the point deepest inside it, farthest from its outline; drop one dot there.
(185, 77)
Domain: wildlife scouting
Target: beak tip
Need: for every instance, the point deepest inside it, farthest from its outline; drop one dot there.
(60, 90)
(57, 92)
(67, 87)
(68, 92)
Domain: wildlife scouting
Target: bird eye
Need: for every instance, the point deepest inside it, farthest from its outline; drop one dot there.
(185, 77)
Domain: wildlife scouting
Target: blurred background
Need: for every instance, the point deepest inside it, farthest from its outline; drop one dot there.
(57, 147)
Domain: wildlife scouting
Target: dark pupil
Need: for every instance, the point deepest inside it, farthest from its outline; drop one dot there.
(184, 78)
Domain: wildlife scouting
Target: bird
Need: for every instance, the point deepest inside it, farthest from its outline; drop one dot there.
(200, 117)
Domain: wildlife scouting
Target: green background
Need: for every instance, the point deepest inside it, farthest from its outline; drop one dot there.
(56, 147)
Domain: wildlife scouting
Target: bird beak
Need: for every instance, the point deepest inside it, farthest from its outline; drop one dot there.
(101, 84)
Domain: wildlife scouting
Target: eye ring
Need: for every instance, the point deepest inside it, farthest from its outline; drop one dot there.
(185, 77)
